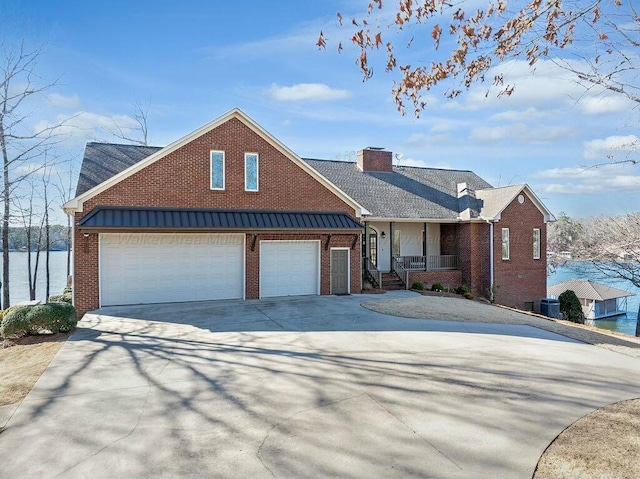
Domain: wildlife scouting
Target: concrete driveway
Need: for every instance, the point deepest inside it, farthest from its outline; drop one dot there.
(303, 387)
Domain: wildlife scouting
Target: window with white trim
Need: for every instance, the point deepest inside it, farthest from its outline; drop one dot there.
(505, 243)
(251, 172)
(217, 170)
(536, 243)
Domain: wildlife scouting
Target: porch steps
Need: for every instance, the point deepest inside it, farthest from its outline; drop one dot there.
(391, 282)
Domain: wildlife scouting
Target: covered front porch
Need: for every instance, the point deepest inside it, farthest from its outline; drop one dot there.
(407, 247)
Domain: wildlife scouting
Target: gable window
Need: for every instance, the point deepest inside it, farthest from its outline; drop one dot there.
(217, 170)
(536, 243)
(505, 243)
(251, 172)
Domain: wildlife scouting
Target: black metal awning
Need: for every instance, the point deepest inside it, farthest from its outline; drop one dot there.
(134, 218)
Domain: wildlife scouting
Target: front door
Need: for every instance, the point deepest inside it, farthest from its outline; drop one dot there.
(339, 271)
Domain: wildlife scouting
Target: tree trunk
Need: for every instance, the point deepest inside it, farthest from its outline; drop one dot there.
(47, 240)
(68, 246)
(32, 290)
(6, 197)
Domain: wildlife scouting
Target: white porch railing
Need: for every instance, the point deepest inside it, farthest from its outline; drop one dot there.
(401, 271)
(420, 263)
(371, 268)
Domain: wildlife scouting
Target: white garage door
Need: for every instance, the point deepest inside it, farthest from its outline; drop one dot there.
(138, 268)
(289, 268)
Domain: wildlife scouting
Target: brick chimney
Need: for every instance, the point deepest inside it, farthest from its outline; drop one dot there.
(374, 159)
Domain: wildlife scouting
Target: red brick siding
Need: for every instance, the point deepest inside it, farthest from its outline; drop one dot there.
(449, 239)
(521, 278)
(375, 160)
(449, 279)
(481, 259)
(182, 180)
(475, 261)
(85, 270)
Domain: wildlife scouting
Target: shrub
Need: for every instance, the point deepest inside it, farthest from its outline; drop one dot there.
(15, 323)
(52, 317)
(437, 287)
(65, 297)
(570, 307)
(419, 285)
(19, 321)
(462, 290)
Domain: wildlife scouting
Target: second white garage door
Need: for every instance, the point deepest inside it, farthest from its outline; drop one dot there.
(289, 268)
(140, 268)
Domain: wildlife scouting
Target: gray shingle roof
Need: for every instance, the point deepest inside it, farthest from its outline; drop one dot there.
(103, 160)
(114, 217)
(494, 200)
(407, 192)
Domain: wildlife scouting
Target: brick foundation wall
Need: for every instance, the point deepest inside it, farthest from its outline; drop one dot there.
(449, 279)
(182, 180)
(521, 279)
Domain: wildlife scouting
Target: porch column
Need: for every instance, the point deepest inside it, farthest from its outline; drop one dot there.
(425, 247)
(391, 238)
(367, 247)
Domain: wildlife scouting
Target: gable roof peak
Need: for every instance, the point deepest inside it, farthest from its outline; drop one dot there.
(76, 204)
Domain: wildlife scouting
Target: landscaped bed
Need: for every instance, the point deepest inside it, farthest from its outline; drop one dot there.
(31, 335)
(22, 362)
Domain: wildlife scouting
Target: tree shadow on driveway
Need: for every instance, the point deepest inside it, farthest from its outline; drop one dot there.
(303, 387)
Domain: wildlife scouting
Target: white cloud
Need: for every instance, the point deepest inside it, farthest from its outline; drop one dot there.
(522, 133)
(545, 87)
(307, 92)
(425, 141)
(531, 113)
(422, 163)
(55, 99)
(615, 145)
(612, 177)
(82, 126)
(571, 172)
(604, 104)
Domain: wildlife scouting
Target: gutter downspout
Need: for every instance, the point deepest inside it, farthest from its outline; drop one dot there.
(490, 257)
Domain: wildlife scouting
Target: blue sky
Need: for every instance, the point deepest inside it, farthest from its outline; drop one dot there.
(192, 61)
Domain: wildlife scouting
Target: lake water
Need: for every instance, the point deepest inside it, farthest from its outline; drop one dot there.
(19, 288)
(624, 324)
(58, 265)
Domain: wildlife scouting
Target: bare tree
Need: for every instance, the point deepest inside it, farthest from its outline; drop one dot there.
(33, 235)
(64, 186)
(46, 178)
(471, 40)
(138, 135)
(20, 145)
(611, 244)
